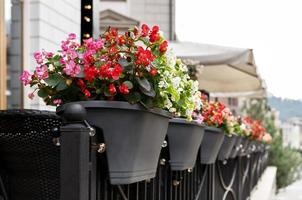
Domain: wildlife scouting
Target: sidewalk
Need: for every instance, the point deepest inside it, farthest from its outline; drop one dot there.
(292, 192)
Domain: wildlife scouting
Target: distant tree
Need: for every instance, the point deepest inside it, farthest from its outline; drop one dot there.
(288, 161)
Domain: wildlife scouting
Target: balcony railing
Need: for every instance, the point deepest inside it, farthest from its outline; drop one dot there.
(39, 162)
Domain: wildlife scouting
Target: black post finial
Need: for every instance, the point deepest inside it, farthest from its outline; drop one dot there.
(74, 113)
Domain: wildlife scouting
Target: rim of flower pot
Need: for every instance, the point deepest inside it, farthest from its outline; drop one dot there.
(115, 105)
(213, 129)
(184, 121)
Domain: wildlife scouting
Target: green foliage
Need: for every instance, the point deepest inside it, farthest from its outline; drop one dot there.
(288, 161)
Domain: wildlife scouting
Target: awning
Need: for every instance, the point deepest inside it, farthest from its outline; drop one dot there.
(223, 70)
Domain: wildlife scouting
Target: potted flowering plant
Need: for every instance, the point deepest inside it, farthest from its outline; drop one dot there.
(229, 125)
(129, 87)
(211, 115)
(184, 136)
(238, 129)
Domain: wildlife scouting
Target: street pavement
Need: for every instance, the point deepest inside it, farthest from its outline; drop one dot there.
(292, 192)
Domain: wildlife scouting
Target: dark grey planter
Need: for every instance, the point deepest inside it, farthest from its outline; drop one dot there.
(236, 147)
(226, 147)
(133, 137)
(184, 139)
(245, 143)
(210, 145)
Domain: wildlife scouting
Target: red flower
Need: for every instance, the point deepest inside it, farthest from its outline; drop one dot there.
(155, 29)
(90, 73)
(111, 89)
(106, 71)
(86, 93)
(143, 57)
(145, 30)
(81, 83)
(135, 31)
(163, 47)
(153, 72)
(122, 40)
(123, 88)
(154, 35)
(116, 72)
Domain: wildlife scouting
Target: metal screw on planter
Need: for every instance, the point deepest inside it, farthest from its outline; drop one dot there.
(175, 183)
(162, 161)
(165, 144)
(56, 136)
(101, 148)
(224, 162)
(56, 142)
(190, 170)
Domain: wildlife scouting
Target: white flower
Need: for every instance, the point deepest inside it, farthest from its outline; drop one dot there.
(168, 103)
(172, 110)
(176, 82)
(171, 58)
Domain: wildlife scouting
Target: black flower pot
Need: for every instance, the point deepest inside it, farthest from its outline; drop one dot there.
(210, 145)
(245, 144)
(253, 146)
(133, 137)
(236, 147)
(226, 147)
(184, 139)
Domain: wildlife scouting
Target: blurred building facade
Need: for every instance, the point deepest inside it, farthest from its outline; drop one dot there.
(35, 25)
(126, 13)
(292, 133)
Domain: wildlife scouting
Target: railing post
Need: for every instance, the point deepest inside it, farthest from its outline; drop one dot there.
(74, 156)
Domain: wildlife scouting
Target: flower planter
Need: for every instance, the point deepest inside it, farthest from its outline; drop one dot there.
(237, 147)
(184, 139)
(245, 146)
(210, 145)
(133, 137)
(226, 147)
(253, 146)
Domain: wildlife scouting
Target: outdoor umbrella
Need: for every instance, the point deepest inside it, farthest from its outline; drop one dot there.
(223, 71)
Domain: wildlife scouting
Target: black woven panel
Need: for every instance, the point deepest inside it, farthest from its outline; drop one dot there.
(28, 156)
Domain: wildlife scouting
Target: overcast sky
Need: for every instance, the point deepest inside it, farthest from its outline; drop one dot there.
(273, 28)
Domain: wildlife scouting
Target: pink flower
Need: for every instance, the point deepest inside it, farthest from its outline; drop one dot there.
(62, 61)
(38, 57)
(25, 77)
(57, 101)
(72, 69)
(47, 54)
(64, 45)
(72, 36)
(93, 45)
(42, 72)
(31, 95)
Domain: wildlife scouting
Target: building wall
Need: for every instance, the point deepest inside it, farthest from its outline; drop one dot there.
(46, 24)
(291, 135)
(151, 12)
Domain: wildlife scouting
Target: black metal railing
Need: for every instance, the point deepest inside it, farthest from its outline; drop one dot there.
(83, 172)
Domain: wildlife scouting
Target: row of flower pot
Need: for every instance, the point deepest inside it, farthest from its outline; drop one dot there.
(134, 138)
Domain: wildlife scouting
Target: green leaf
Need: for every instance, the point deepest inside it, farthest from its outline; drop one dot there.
(56, 81)
(42, 93)
(52, 80)
(150, 93)
(61, 85)
(134, 98)
(144, 83)
(129, 84)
